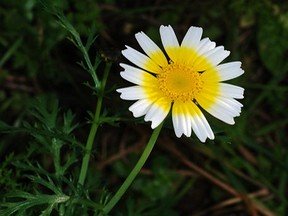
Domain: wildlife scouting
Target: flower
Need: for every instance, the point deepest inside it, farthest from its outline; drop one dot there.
(186, 79)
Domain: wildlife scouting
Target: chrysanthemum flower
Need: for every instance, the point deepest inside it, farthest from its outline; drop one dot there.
(187, 78)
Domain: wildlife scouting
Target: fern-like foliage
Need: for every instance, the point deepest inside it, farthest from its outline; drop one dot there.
(49, 187)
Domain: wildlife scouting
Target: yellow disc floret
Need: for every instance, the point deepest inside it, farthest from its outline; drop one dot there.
(180, 82)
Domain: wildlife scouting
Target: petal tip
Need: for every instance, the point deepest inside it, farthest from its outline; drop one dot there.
(154, 125)
(122, 65)
(232, 122)
(124, 51)
(203, 140)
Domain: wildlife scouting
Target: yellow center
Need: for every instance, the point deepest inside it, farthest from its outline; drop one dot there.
(180, 82)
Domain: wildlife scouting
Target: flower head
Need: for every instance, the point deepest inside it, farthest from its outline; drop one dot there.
(187, 80)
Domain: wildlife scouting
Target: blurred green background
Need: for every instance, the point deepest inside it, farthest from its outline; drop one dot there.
(244, 171)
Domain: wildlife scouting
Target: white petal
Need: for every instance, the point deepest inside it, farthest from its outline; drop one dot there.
(220, 109)
(132, 74)
(188, 125)
(233, 103)
(156, 114)
(187, 115)
(139, 59)
(132, 93)
(205, 45)
(176, 119)
(227, 108)
(229, 70)
(183, 124)
(198, 130)
(199, 124)
(187, 121)
(228, 90)
(192, 37)
(135, 75)
(181, 119)
(176, 124)
(221, 114)
(201, 128)
(151, 49)
(217, 55)
(140, 107)
(206, 125)
(168, 37)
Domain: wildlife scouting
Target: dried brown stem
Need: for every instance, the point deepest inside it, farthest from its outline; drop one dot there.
(252, 205)
(233, 201)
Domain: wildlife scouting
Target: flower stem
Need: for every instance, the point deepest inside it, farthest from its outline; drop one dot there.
(89, 143)
(95, 124)
(134, 172)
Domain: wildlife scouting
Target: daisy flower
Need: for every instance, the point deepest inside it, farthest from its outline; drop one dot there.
(186, 79)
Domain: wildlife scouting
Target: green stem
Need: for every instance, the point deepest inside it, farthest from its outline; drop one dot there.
(95, 124)
(135, 170)
(89, 143)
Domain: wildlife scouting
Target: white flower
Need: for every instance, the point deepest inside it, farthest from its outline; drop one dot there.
(189, 79)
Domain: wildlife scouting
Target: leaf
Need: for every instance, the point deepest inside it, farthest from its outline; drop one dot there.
(46, 109)
(68, 125)
(30, 201)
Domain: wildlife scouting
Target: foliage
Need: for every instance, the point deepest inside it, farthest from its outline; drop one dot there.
(54, 63)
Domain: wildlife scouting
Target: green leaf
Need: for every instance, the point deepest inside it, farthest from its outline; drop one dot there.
(46, 109)
(30, 201)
